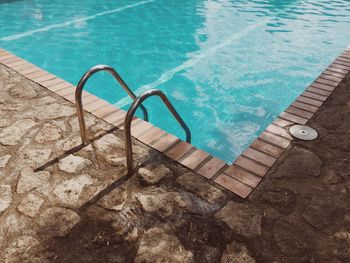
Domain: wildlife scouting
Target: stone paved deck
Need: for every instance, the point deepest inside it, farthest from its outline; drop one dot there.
(72, 211)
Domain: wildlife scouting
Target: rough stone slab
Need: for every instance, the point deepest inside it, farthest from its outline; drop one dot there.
(281, 199)
(202, 188)
(111, 149)
(158, 246)
(4, 122)
(12, 224)
(29, 180)
(152, 175)
(115, 200)
(22, 249)
(343, 235)
(30, 205)
(108, 142)
(58, 221)
(22, 90)
(73, 164)
(4, 160)
(89, 121)
(13, 134)
(35, 157)
(236, 253)
(241, 218)
(300, 157)
(5, 197)
(324, 209)
(69, 191)
(46, 100)
(71, 142)
(160, 202)
(48, 133)
(293, 237)
(54, 111)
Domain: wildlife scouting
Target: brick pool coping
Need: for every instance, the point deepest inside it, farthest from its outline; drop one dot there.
(248, 170)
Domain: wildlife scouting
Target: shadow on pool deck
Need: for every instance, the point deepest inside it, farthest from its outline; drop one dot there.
(299, 213)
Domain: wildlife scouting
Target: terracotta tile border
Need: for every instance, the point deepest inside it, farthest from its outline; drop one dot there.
(247, 171)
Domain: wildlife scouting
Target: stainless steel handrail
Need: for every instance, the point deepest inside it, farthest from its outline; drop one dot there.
(79, 91)
(129, 117)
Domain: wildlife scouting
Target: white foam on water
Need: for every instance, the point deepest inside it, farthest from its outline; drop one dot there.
(68, 23)
(169, 74)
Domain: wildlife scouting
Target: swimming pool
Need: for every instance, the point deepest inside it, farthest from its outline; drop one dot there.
(229, 67)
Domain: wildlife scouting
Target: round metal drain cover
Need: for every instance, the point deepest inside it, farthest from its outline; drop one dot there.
(303, 132)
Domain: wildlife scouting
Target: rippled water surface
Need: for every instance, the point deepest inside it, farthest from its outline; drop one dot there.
(229, 67)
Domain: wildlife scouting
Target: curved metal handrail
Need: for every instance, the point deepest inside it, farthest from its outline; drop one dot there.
(129, 117)
(79, 91)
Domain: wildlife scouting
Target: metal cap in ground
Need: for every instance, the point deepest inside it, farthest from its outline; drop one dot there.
(303, 132)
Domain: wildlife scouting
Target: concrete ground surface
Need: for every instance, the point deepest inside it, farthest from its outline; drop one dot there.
(77, 209)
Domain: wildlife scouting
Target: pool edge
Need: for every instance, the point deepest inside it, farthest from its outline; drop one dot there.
(248, 170)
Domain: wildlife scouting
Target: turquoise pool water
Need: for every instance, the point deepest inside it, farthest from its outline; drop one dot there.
(229, 67)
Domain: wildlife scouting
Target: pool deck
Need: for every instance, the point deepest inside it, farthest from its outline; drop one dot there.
(249, 169)
(78, 210)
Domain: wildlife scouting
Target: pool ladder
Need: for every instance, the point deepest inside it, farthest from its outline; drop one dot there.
(137, 103)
